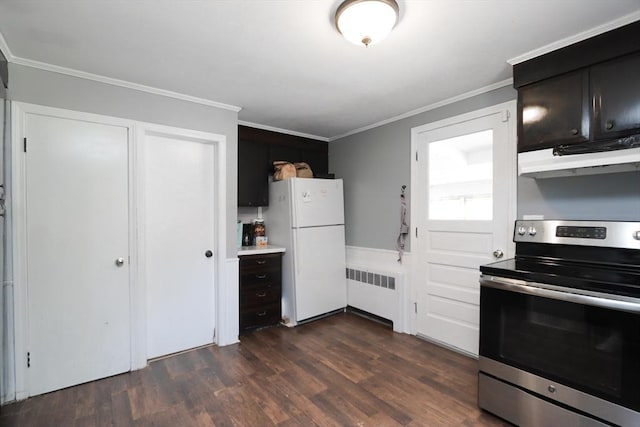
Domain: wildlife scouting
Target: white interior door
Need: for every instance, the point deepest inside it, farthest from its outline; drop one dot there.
(465, 208)
(77, 227)
(179, 232)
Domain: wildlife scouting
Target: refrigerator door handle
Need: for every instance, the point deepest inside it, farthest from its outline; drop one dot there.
(296, 258)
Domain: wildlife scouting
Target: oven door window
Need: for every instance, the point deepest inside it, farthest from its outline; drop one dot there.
(592, 349)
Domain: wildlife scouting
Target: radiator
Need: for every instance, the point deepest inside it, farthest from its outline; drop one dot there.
(376, 292)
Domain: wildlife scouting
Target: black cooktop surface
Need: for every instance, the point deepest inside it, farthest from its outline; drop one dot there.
(588, 275)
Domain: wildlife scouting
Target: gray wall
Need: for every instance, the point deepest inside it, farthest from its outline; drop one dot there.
(376, 163)
(600, 197)
(57, 90)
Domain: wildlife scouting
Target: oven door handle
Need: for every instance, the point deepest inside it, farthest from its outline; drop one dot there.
(538, 290)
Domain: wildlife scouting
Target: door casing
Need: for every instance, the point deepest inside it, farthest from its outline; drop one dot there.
(507, 108)
(206, 326)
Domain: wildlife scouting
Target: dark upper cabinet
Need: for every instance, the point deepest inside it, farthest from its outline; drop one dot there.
(615, 87)
(314, 153)
(317, 156)
(554, 111)
(258, 149)
(587, 92)
(253, 173)
(285, 153)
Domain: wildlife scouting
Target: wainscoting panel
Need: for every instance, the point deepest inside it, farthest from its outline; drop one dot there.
(376, 284)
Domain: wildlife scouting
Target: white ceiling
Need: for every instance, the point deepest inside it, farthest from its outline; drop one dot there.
(283, 61)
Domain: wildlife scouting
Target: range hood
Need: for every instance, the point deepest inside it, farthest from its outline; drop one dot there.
(587, 160)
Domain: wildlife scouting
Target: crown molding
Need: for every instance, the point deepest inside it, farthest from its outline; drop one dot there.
(429, 107)
(285, 131)
(108, 80)
(120, 83)
(607, 26)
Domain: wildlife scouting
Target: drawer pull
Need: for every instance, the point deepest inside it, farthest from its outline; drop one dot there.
(261, 294)
(261, 261)
(261, 276)
(262, 313)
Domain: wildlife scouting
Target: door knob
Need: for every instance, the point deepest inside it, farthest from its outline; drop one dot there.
(119, 262)
(208, 254)
(498, 254)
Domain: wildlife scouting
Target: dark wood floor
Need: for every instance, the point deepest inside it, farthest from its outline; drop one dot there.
(340, 371)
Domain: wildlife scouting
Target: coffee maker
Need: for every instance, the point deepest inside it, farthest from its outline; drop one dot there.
(247, 234)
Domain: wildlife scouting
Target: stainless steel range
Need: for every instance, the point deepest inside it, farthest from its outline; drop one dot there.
(560, 326)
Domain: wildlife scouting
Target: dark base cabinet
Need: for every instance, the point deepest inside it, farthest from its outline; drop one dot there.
(260, 291)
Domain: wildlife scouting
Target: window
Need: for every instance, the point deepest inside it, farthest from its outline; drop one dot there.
(461, 177)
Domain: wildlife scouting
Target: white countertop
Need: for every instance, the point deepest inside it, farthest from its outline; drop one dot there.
(255, 250)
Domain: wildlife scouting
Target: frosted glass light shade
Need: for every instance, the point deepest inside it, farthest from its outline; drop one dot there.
(366, 22)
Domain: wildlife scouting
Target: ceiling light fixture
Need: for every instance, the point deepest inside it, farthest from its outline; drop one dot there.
(366, 22)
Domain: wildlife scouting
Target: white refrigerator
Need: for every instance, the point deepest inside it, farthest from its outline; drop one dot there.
(306, 216)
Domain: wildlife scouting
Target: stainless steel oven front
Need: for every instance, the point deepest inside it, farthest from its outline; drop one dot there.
(552, 355)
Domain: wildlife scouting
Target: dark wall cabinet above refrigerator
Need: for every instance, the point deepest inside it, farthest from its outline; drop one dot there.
(258, 149)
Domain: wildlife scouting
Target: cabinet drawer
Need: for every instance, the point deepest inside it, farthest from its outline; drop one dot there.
(259, 296)
(260, 279)
(260, 263)
(260, 316)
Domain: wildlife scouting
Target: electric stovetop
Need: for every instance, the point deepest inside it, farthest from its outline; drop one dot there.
(609, 279)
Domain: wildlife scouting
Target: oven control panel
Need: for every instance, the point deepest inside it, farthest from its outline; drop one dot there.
(581, 232)
(615, 234)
